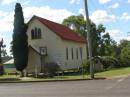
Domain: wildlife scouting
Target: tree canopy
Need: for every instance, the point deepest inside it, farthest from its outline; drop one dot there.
(76, 23)
(101, 41)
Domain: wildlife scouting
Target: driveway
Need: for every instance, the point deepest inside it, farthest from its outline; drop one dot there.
(91, 88)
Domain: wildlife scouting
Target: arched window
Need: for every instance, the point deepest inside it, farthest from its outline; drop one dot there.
(39, 33)
(32, 34)
(36, 33)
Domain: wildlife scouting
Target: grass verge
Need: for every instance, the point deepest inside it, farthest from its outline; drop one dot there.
(105, 74)
(114, 72)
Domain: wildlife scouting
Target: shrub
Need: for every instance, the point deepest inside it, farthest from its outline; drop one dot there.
(86, 66)
(125, 56)
(51, 68)
(109, 62)
(1, 70)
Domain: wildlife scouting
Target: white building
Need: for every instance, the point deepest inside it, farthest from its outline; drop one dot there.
(55, 43)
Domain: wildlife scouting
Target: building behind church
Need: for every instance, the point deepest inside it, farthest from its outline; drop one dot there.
(52, 42)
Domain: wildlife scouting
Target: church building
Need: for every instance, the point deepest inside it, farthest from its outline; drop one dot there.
(52, 42)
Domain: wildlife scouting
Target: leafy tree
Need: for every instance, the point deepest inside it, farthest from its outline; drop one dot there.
(102, 44)
(3, 53)
(123, 52)
(106, 44)
(76, 23)
(109, 62)
(1, 48)
(95, 38)
(124, 43)
(125, 56)
(114, 49)
(99, 42)
(19, 43)
(11, 47)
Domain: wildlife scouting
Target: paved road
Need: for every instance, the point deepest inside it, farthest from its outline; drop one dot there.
(90, 88)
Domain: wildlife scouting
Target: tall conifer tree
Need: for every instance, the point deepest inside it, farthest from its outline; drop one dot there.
(19, 44)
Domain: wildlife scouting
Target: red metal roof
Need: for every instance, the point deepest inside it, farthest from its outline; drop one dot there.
(61, 30)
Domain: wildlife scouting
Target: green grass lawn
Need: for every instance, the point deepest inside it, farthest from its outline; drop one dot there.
(105, 74)
(114, 72)
(8, 76)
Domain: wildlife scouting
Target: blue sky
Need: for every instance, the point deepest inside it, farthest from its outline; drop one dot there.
(114, 14)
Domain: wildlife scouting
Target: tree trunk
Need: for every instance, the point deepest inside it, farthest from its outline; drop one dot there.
(22, 74)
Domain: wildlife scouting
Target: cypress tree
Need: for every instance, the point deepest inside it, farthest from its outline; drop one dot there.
(19, 43)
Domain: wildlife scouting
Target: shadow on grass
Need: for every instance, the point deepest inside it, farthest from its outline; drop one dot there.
(10, 79)
(99, 78)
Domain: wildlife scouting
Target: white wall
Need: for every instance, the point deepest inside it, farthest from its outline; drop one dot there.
(49, 40)
(56, 47)
(34, 63)
(74, 63)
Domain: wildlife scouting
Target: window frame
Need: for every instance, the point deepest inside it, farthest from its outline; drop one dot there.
(36, 33)
(81, 52)
(72, 53)
(77, 53)
(39, 33)
(67, 54)
(32, 34)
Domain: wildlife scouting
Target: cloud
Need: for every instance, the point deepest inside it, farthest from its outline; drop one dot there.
(7, 18)
(101, 16)
(116, 5)
(7, 39)
(3, 13)
(26, 3)
(81, 11)
(104, 1)
(117, 35)
(74, 1)
(6, 22)
(56, 15)
(128, 1)
(125, 16)
(7, 2)
(128, 38)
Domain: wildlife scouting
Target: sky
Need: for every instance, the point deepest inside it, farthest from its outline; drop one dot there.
(113, 14)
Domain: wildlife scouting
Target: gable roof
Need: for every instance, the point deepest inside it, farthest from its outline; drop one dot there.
(61, 30)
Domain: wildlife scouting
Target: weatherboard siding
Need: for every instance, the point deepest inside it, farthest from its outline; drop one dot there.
(56, 48)
(75, 62)
(34, 62)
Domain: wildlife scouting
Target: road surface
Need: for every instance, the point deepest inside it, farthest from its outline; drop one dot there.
(91, 88)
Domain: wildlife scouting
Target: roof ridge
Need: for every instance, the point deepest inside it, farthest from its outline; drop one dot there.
(61, 30)
(56, 23)
(50, 21)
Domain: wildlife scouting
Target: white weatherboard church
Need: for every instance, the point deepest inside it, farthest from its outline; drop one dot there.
(52, 42)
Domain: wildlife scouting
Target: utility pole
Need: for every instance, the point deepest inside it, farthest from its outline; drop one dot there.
(89, 42)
